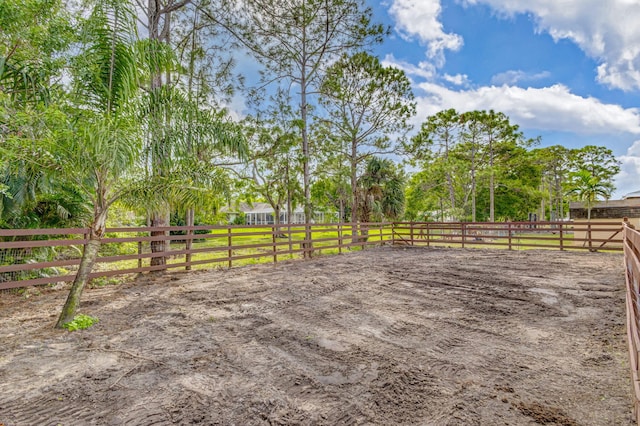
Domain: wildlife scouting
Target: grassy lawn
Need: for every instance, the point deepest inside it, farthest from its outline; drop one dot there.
(256, 245)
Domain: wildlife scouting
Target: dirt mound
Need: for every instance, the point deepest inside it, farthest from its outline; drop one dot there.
(384, 336)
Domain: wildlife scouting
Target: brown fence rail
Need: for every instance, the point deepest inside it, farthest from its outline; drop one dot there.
(632, 266)
(44, 256)
(578, 235)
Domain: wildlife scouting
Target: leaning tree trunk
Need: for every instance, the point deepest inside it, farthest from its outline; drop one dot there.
(89, 256)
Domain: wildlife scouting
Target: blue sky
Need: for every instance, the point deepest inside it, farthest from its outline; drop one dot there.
(565, 70)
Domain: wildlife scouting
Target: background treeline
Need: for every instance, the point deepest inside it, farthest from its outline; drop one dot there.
(122, 106)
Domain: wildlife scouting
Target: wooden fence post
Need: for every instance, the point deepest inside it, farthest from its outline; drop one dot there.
(561, 238)
(411, 231)
(230, 251)
(463, 230)
(139, 253)
(290, 238)
(589, 236)
(188, 245)
(273, 241)
(509, 231)
(393, 233)
(428, 234)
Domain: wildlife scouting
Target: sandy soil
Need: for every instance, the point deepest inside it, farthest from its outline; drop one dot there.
(388, 336)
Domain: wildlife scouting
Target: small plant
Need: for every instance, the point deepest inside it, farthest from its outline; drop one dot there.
(104, 281)
(80, 322)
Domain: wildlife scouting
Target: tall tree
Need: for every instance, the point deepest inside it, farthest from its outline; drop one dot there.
(272, 171)
(434, 142)
(498, 132)
(554, 165)
(96, 141)
(295, 40)
(365, 103)
(472, 151)
(158, 28)
(597, 160)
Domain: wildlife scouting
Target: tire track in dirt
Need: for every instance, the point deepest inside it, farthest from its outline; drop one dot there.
(378, 337)
(49, 411)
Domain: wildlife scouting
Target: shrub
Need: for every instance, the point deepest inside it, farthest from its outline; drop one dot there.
(80, 322)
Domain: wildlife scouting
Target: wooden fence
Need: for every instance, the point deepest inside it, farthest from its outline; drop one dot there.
(632, 267)
(579, 235)
(44, 256)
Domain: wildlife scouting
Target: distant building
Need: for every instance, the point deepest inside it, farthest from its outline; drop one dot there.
(263, 214)
(632, 195)
(610, 211)
(613, 210)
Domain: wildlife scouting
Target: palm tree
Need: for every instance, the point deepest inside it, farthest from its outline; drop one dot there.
(94, 139)
(100, 145)
(381, 191)
(587, 188)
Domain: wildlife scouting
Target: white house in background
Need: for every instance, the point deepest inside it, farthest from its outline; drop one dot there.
(263, 214)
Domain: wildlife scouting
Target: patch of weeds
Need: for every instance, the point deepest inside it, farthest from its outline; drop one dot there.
(80, 322)
(27, 292)
(104, 281)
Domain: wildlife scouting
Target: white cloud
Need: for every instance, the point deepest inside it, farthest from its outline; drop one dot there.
(424, 70)
(552, 108)
(606, 30)
(458, 79)
(627, 180)
(420, 19)
(512, 77)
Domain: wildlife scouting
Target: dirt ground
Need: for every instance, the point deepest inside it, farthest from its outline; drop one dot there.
(388, 336)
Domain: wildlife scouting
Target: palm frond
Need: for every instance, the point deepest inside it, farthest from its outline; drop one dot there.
(108, 75)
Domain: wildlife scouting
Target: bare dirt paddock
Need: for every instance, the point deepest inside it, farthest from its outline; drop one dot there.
(388, 336)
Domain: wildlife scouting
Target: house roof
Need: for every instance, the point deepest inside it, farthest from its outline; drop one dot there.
(255, 208)
(266, 208)
(634, 194)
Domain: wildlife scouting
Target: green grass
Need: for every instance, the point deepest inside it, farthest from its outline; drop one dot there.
(264, 252)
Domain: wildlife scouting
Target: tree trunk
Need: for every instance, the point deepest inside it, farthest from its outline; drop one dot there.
(159, 219)
(355, 202)
(89, 256)
(158, 31)
(189, 221)
(290, 212)
(276, 221)
(473, 193)
(452, 191)
(492, 185)
(308, 212)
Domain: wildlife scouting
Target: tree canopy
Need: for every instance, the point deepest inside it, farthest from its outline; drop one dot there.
(118, 102)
